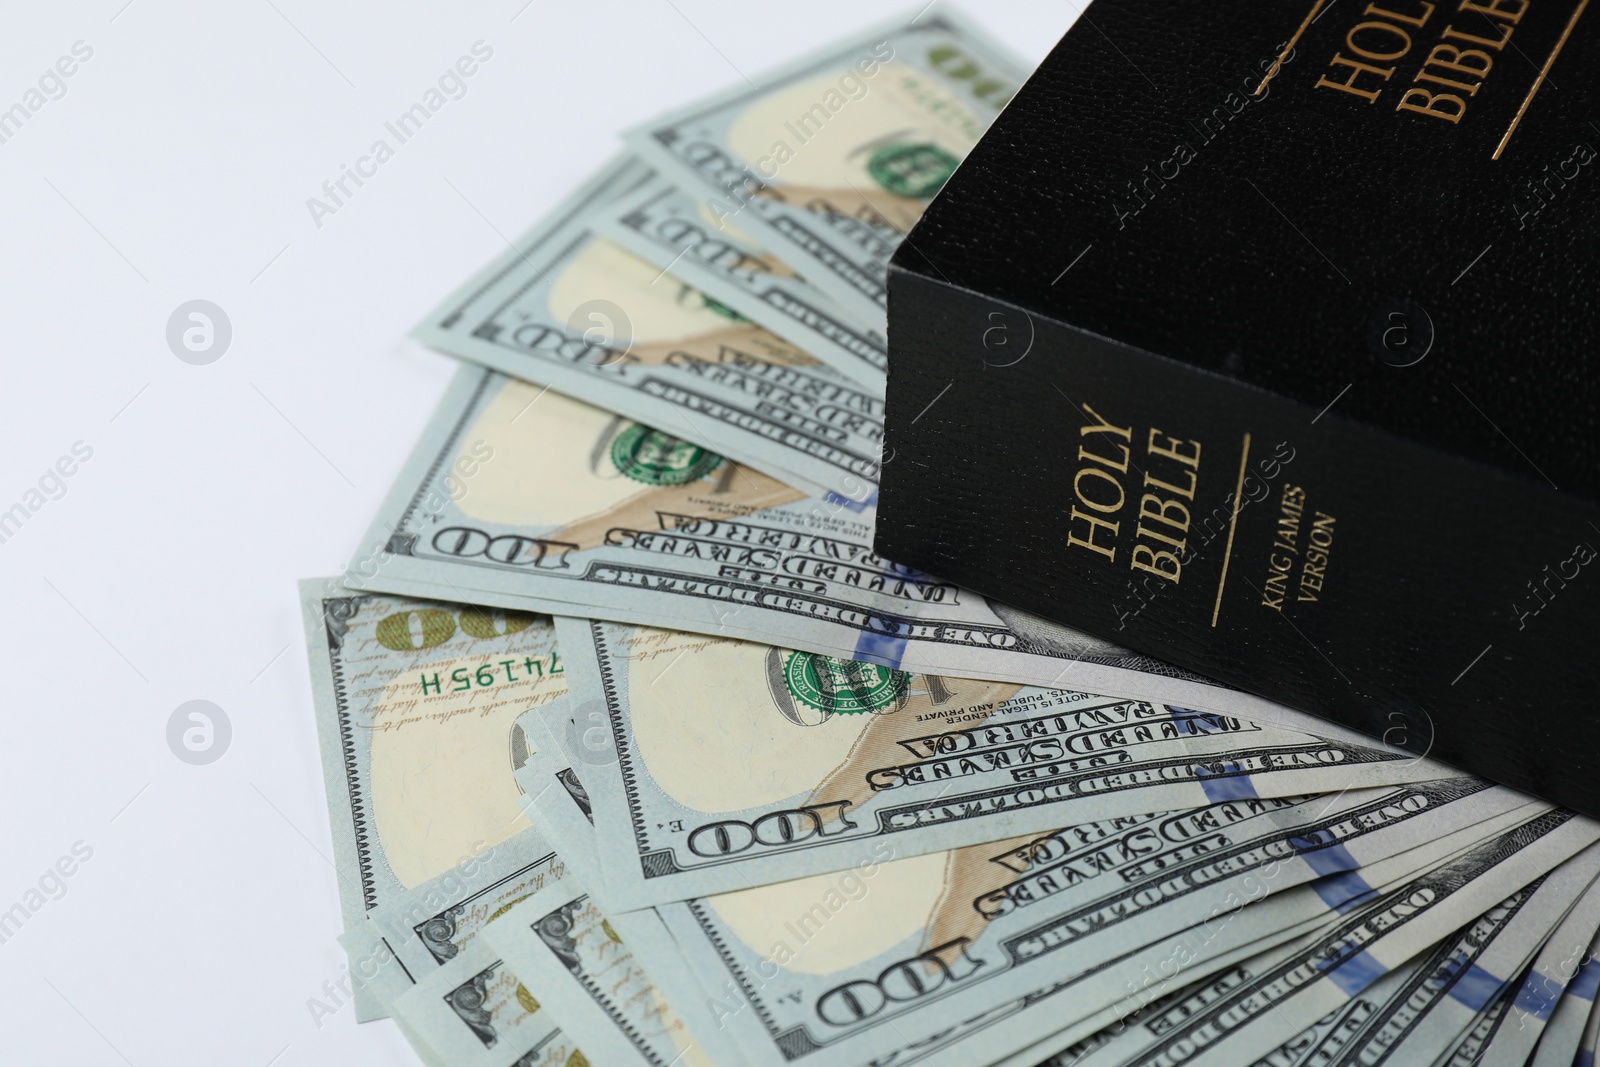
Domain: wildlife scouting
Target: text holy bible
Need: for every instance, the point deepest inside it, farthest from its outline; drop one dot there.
(1256, 336)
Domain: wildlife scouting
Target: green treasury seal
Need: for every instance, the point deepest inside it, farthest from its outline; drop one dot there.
(655, 458)
(915, 170)
(843, 686)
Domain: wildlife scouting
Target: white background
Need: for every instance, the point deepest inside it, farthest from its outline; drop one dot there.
(177, 166)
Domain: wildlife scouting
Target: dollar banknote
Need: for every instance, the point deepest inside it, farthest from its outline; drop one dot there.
(1525, 1008)
(1512, 1016)
(829, 161)
(473, 1012)
(645, 930)
(431, 924)
(1347, 1027)
(963, 1036)
(1449, 1001)
(1361, 1032)
(578, 965)
(570, 309)
(1278, 1002)
(555, 798)
(1589, 1042)
(560, 803)
(1563, 1034)
(826, 763)
(1369, 1028)
(416, 704)
(972, 1039)
(533, 501)
(662, 224)
(1406, 1016)
(844, 964)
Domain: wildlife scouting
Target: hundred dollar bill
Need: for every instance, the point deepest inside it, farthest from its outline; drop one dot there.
(562, 808)
(829, 161)
(825, 763)
(672, 230)
(1559, 1043)
(845, 965)
(416, 704)
(1157, 1014)
(655, 950)
(1361, 1030)
(1470, 1046)
(1369, 943)
(1346, 1027)
(1006, 1036)
(964, 1038)
(1452, 993)
(1076, 1043)
(1506, 1031)
(1154, 1014)
(1374, 1023)
(555, 799)
(560, 506)
(1013, 1026)
(572, 310)
(649, 942)
(963, 1031)
(567, 951)
(1589, 1042)
(648, 935)
(432, 923)
(1335, 1039)
(473, 1012)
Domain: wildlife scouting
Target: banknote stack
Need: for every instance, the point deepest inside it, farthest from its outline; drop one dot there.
(636, 753)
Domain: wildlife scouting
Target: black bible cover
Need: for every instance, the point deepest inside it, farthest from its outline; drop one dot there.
(1255, 336)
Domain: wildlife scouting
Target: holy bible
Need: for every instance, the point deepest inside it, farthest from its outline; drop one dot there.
(1256, 336)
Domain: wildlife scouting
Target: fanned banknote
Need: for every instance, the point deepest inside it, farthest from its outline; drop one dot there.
(1462, 1023)
(416, 706)
(474, 1012)
(1336, 1038)
(1259, 1015)
(567, 951)
(845, 964)
(431, 924)
(820, 764)
(1218, 847)
(1448, 1001)
(830, 160)
(570, 309)
(650, 943)
(1589, 1042)
(671, 966)
(958, 1035)
(534, 501)
(662, 224)
(1524, 1008)
(1218, 857)
(555, 798)
(1563, 1034)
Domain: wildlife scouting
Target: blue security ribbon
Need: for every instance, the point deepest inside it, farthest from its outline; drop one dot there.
(1476, 987)
(1221, 787)
(858, 506)
(1538, 995)
(886, 649)
(1343, 891)
(1587, 981)
(1357, 972)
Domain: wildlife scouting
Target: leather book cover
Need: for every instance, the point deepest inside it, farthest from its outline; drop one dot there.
(1256, 336)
